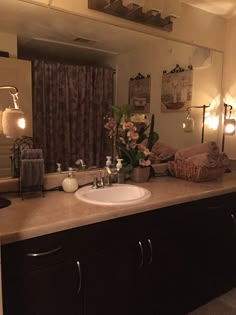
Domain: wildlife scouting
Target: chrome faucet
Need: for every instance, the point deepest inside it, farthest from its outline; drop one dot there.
(110, 175)
(99, 183)
(80, 164)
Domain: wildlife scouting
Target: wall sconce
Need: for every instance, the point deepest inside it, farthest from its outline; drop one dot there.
(229, 124)
(188, 124)
(229, 127)
(13, 121)
(13, 124)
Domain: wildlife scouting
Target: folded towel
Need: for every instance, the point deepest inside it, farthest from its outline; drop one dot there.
(208, 160)
(210, 148)
(162, 151)
(31, 154)
(32, 172)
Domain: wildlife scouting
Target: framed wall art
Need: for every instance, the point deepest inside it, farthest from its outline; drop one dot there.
(139, 93)
(176, 92)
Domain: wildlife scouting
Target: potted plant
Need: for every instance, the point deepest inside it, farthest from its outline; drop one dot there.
(133, 137)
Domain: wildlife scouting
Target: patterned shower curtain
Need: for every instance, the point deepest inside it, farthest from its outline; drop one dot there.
(69, 106)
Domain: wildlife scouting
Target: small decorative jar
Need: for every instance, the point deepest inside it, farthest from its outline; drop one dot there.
(70, 183)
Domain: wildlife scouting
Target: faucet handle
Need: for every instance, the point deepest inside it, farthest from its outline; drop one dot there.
(95, 183)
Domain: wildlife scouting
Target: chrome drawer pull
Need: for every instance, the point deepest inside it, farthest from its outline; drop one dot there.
(50, 252)
(141, 252)
(80, 277)
(150, 247)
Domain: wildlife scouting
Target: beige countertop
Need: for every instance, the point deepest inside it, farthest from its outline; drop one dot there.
(59, 211)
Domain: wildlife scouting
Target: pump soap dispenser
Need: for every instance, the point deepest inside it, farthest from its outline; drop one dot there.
(70, 183)
(120, 172)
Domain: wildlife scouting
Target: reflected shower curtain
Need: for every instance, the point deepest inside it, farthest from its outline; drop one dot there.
(69, 106)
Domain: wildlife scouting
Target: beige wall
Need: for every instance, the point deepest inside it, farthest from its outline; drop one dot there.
(8, 43)
(164, 55)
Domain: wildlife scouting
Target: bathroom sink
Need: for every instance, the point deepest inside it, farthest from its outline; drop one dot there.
(117, 194)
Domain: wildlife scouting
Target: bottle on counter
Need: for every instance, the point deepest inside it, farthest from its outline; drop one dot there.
(70, 183)
(120, 172)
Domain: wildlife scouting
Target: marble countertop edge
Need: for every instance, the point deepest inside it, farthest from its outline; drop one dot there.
(59, 211)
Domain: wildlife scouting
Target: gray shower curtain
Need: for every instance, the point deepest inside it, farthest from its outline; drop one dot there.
(69, 106)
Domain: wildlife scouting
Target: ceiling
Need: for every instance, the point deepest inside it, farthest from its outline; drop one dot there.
(224, 8)
(44, 34)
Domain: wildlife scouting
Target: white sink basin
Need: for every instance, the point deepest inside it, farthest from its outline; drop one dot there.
(117, 194)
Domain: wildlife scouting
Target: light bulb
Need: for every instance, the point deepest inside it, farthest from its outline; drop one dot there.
(229, 128)
(21, 123)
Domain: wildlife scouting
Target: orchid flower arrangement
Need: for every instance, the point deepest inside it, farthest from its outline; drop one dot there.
(133, 142)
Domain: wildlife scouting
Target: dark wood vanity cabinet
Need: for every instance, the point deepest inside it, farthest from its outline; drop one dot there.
(40, 276)
(211, 248)
(163, 262)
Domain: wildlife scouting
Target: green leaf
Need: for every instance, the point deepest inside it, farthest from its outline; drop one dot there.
(153, 136)
(119, 111)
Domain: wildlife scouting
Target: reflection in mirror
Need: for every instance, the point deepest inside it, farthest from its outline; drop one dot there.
(128, 52)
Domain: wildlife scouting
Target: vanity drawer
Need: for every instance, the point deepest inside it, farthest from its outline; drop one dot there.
(42, 251)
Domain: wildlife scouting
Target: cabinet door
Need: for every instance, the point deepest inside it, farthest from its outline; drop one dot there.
(50, 290)
(41, 277)
(211, 248)
(164, 264)
(110, 282)
(111, 270)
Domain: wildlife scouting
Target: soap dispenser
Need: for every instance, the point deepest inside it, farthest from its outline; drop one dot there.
(70, 183)
(120, 172)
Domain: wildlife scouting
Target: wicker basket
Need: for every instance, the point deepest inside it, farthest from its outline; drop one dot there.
(193, 173)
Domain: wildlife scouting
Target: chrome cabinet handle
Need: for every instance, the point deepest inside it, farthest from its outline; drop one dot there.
(233, 219)
(150, 248)
(141, 252)
(47, 253)
(80, 276)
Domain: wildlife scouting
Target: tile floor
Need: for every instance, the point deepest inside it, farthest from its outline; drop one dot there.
(223, 305)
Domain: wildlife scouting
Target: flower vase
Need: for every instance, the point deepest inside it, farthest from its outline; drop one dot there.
(140, 174)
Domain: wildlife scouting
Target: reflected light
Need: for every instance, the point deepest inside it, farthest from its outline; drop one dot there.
(21, 123)
(229, 127)
(212, 122)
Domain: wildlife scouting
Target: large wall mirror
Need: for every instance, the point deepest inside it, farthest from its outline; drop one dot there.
(85, 41)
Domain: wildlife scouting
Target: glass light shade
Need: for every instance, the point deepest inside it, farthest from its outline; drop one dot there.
(13, 122)
(229, 127)
(188, 124)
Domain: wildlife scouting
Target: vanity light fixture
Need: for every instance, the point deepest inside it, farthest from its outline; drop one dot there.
(188, 124)
(153, 13)
(13, 121)
(13, 124)
(229, 124)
